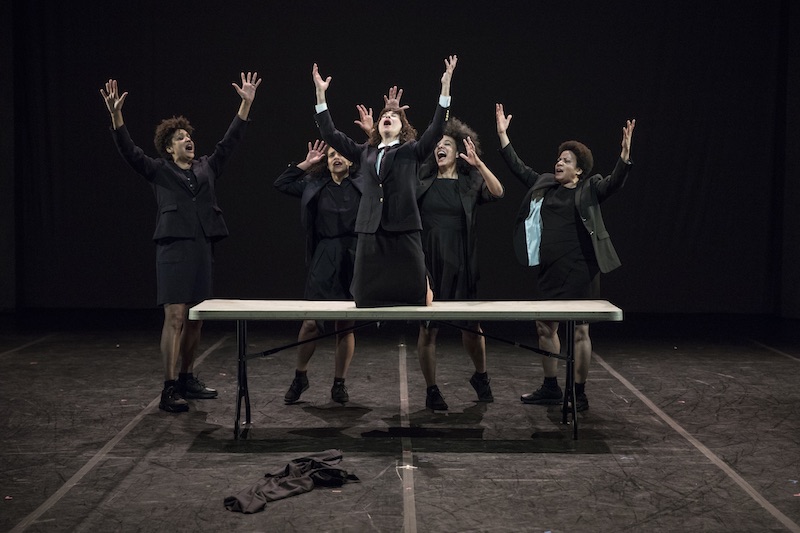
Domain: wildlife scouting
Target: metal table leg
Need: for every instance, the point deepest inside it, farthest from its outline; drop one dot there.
(569, 392)
(242, 391)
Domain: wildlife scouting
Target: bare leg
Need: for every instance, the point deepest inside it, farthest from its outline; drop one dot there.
(190, 338)
(171, 333)
(583, 352)
(475, 345)
(549, 341)
(426, 351)
(345, 347)
(304, 352)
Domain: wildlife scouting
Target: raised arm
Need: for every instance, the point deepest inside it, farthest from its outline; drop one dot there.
(320, 85)
(365, 120)
(627, 137)
(450, 66)
(114, 102)
(502, 125)
(247, 91)
(316, 152)
(390, 100)
(471, 156)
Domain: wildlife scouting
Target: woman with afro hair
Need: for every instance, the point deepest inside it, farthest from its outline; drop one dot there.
(453, 183)
(560, 228)
(188, 222)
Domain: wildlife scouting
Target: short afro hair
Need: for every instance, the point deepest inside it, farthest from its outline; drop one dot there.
(585, 161)
(166, 129)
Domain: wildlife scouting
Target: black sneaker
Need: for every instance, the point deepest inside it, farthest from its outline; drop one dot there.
(482, 387)
(194, 389)
(298, 386)
(581, 403)
(172, 402)
(339, 392)
(544, 396)
(435, 400)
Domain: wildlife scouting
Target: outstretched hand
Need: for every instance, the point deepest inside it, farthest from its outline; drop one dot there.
(627, 137)
(114, 101)
(450, 66)
(316, 152)
(319, 83)
(501, 119)
(392, 99)
(470, 155)
(250, 83)
(365, 120)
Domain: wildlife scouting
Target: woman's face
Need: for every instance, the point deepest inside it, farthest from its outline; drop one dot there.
(181, 146)
(566, 170)
(446, 152)
(338, 165)
(390, 125)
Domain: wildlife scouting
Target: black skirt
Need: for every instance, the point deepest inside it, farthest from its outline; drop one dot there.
(330, 272)
(389, 269)
(184, 270)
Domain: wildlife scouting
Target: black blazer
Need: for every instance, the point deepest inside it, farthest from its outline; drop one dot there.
(179, 210)
(295, 182)
(590, 193)
(388, 200)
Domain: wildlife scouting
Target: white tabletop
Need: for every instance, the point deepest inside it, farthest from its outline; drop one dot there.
(591, 310)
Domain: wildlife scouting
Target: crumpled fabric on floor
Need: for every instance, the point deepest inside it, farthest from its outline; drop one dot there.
(299, 476)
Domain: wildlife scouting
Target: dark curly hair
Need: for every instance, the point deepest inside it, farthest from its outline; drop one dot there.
(166, 129)
(458, 131)
(585, 160)
(407, 131)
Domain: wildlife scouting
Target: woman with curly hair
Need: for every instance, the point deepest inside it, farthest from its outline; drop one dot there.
(560, 228)
(329, 195)
(390, 266)
(453, 183)
(188, 223)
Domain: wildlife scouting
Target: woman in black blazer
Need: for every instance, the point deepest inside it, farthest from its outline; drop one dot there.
(560, 229)
(188, 223)
(329, 196)
(390, 266)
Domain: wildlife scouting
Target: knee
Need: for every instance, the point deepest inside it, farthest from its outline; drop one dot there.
(309, 327)
(546, 330)
(582, 333)
(175, 319)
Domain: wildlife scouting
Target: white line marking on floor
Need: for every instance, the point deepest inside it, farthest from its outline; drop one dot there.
(775, 350)
(719, 463)
(18, 348)
(100, 455)
(407, 468)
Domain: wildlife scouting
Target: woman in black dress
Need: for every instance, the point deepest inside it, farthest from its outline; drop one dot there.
(453, 183)
(188, 223)
(329, 200)
(560, 228)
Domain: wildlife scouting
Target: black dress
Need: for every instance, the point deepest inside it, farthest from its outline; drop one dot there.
(330, 271)
(569, 269)
(444, 228)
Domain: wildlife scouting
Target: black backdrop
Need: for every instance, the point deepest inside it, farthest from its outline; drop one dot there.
(705, 223)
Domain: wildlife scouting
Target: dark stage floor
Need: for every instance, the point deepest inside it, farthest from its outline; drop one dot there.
(694, 425)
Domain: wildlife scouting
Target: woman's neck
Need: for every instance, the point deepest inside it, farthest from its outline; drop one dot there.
(448, 172)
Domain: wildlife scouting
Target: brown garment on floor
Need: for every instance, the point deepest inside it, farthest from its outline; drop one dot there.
(299, 476)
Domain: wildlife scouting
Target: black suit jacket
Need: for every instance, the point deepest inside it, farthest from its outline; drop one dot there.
(388, 200)
(589, 194)
(179, 210)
